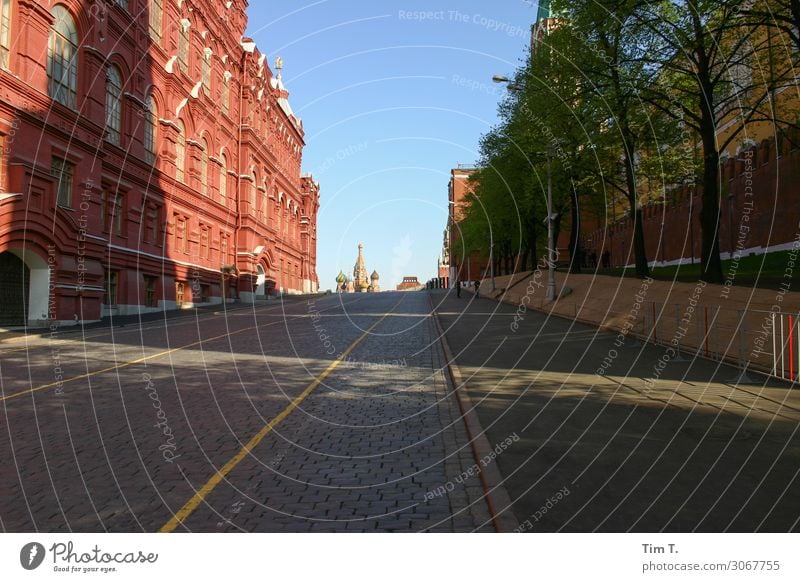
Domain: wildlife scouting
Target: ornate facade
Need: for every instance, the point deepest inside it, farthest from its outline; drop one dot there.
(150, 160)
(360, 283)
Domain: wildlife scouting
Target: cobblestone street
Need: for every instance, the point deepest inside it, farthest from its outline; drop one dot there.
(324, 415)
(339, 413)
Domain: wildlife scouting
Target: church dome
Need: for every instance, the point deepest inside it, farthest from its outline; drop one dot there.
(341, 278)
(374, 276)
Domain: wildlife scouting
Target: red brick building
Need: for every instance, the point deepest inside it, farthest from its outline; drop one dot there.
(150, 160)
(473, 266)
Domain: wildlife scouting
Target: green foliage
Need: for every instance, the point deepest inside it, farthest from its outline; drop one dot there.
(619, 103)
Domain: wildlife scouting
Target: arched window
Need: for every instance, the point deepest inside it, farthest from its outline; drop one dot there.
(223, 179)
(180, 151)
(156, 20)
(204, 168)
(113, 104)
(62, 58)
(206, 72)
(150, 128)
(264, 198)
(5, 32)
(226, 93)
(253, 192)
(183, 45)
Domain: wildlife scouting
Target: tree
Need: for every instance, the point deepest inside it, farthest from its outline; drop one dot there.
(700, 55)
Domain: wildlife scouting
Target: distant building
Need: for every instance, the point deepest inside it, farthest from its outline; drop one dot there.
(360, 283)
(360, 280)
(462, 264)
(545, 23)
(409, 284)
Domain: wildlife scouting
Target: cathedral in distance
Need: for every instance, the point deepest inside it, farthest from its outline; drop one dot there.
(360, 283)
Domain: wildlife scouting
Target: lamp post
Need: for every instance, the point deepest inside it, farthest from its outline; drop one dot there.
(551, 257)
(491, 257)
(551, 245)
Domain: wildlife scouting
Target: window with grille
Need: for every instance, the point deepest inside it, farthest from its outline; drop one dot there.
(113, 212)
(204, 169)
(156, 20)
(5, 32)
(113, 105)
(180, 234)
(183, 45)
(180, 159)
(223, 248)
(150, 128)
(223, 179)
(151, 225)
(204, 242)
(226, 94)
(253, 192)
(63, 171)
(206, 59)
(112, 286)
(150, 291)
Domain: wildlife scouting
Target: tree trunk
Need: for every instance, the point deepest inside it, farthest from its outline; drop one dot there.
(709, 213)
(575, 254)
(522, 263)
(639, 250)
(710, 216)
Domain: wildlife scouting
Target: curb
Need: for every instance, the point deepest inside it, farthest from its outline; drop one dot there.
(492, 480)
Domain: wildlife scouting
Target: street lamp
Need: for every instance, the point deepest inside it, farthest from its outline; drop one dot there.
(551, 246)
(551, 258)
(491, 256)
(510, 85)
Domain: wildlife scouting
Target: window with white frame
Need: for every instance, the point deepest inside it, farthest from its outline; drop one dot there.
(156, 20)
(183, 45)
(62, 58)
(150, 129)
(180, 151)
(113, 105)
(5, 32)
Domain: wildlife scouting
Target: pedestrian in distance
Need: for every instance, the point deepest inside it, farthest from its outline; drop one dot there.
(477, 288)
(458, 289)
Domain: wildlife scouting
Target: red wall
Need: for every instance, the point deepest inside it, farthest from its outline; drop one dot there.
(759, 209)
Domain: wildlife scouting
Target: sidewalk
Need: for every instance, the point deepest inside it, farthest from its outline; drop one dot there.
(17, 334)
(728, 323)
(613, 438)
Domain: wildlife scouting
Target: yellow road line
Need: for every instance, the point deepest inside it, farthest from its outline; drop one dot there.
(199, 496)
(114, 330)
(133, 362)
(124, 365)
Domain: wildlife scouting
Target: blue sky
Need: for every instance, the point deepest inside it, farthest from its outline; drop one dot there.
(392, 96)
